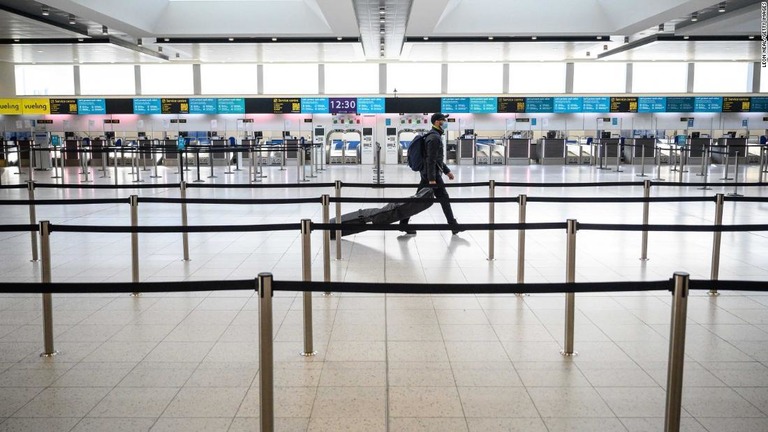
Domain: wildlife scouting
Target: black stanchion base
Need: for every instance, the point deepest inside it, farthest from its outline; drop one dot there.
(704, 188)
(198, 181)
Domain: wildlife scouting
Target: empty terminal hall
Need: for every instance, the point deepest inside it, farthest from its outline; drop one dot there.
(383, 216)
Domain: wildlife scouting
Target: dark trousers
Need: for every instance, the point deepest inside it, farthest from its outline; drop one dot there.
(440, 193)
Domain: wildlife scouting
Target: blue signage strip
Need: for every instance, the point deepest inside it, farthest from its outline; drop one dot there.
(231, 106)
(314, 106)
(759, 104)
(483, 105)
(707, 104)
(147, 106)
(91, 106)
(374, 105)
(539, 105)
(680, 104)
(596, 104)
(568, 104)
(454, 105)
(203, 106)
(651, 104)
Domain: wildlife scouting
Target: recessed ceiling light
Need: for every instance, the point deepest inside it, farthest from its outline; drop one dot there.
(382, 20)
(490, 37)
(426, 38)
(381, 31)
(274, 39)
(167, 40)
(338, 38)
(16, 40)
(46, 11)
(686, 37)
(695, 16)
(382, 11)
(231, 39)
(721, 7)
(599, 38)
(72, 20)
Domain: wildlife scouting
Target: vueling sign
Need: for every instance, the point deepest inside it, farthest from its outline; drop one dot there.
(10, 106)
(25, 106)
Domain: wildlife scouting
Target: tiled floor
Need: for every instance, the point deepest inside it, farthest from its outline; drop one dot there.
(189, 362)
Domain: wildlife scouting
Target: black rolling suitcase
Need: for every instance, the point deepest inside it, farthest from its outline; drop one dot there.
(392, 212)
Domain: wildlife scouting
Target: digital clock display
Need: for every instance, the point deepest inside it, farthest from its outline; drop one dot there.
(343, 105)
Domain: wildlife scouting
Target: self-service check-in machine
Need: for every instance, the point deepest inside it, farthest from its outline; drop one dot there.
(392, 147)
(343, 146)
(42, 156)
(367, 150)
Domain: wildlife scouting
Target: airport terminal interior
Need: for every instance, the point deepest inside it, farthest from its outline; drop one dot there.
(595, 142)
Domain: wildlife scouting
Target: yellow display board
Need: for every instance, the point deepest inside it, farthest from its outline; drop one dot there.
(10, 107)
(36, 106)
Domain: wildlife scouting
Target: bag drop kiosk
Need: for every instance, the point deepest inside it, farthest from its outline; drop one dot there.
(404, 138)
(42, 154)
(392, 150)
(343, 146)
(466, 148)
(367, 150)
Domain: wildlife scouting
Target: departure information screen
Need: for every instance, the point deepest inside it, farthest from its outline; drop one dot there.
(91, 106)
(286, 106)
(651, 104)
(203, 106)
(174, 106)
(708, 104)
(623, 104)
(759, 104)
(680, 104)
(147, 106)
(736, 104)
(596, 104)
(343, 105)
(482, 105)
(511, 104)
(539, 105)
(314, 105)
(63, 106)
(373, 105)
(231, 106)
(454, 104)
(568, 104)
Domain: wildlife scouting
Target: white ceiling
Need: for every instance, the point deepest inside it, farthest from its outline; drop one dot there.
(199, 30)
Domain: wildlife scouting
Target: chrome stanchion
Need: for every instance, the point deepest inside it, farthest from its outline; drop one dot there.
(104, 157)
(676, 363)
(522, 201)
(618, 158)
(260, 162)
(646, 211)
(251, 174)
(31, 162)
(32, 218)
(306, 272)
(154, 162)
(682, 165)
(735, 192)
(673, 159)
(210, 159)
(642, 161)
(325, 200)
(716, 237)
(55, 162)
(184, 235)
(703, 161)
(300, 160)
(45, 273)
(266, 356)
(705, 169)
(115, 159)
(134, 202)
(312, 173)
(601, 156)
(283, 160)
(570, 298)
(763, 157)
(197, 164)
(337, 187)
(135, 162)
(491, 218)
(658, 165)
(727, 162)
(229, 163)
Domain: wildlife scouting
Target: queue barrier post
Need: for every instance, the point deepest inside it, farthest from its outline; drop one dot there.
(716, 238)
(646, 211)
(727, 163)
(306, 272)
(491, 218)
(266, 354)
(705, 169)
(134, 202)
(184, 235)
(522, 201)
(676, 363)
(45, 273)
(337, 188)
(32, 218)
(735, 192)
(642, 160)
(658, 164)
(570, 298)
(326, 202)
(210, 160)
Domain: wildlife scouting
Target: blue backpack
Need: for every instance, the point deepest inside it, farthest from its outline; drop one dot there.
(417, 152)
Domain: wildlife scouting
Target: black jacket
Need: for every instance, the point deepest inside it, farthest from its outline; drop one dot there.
(433, 161)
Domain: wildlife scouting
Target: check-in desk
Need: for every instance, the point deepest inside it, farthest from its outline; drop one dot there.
(518, 151)
(637, 148)
(24, 153)
(98, 151)
(467, 149)
(729, 146)
(696, 150)
(170, 152)
(70, 152)
(219, 151)
(551, 151)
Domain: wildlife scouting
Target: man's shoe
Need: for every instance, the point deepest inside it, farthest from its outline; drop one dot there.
(410, 232)
(455, 230)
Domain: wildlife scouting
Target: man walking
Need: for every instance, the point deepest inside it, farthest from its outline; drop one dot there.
(434, 168)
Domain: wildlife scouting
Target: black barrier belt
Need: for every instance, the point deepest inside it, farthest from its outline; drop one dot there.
(617, 199)
(410, 199)
(104, 186)
(687, 228)
(174, 229)
(126, 287)
(17, 228)
(678, 184)
(529, 185)
(533, 288)
(229, 200)
(440, 227)
(409, 185)
(16, 186)
(66, 201)
(722, 285)
(746, 199)
(260, 186)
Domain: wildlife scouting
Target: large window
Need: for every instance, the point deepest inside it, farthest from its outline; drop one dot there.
(600, 77)
(726, 77)
(475, 78)
(290, 79)
(170, 79)
(33, 80)
(534, 78)
(659, 77)
(419, 78)
(107, 80)
(229, 79)
(351, 78)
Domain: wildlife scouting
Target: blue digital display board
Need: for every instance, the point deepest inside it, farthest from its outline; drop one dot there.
(596, 104)
(203, 106)
(231, 106)
(314, 105)
(707, 104)
(91, 106)
(568, 104)
(680, 104)
(373, 105)
(759, 104)
(539, 105)
(147, 106)
(454, 105)
(651, 104)
(482, 105)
